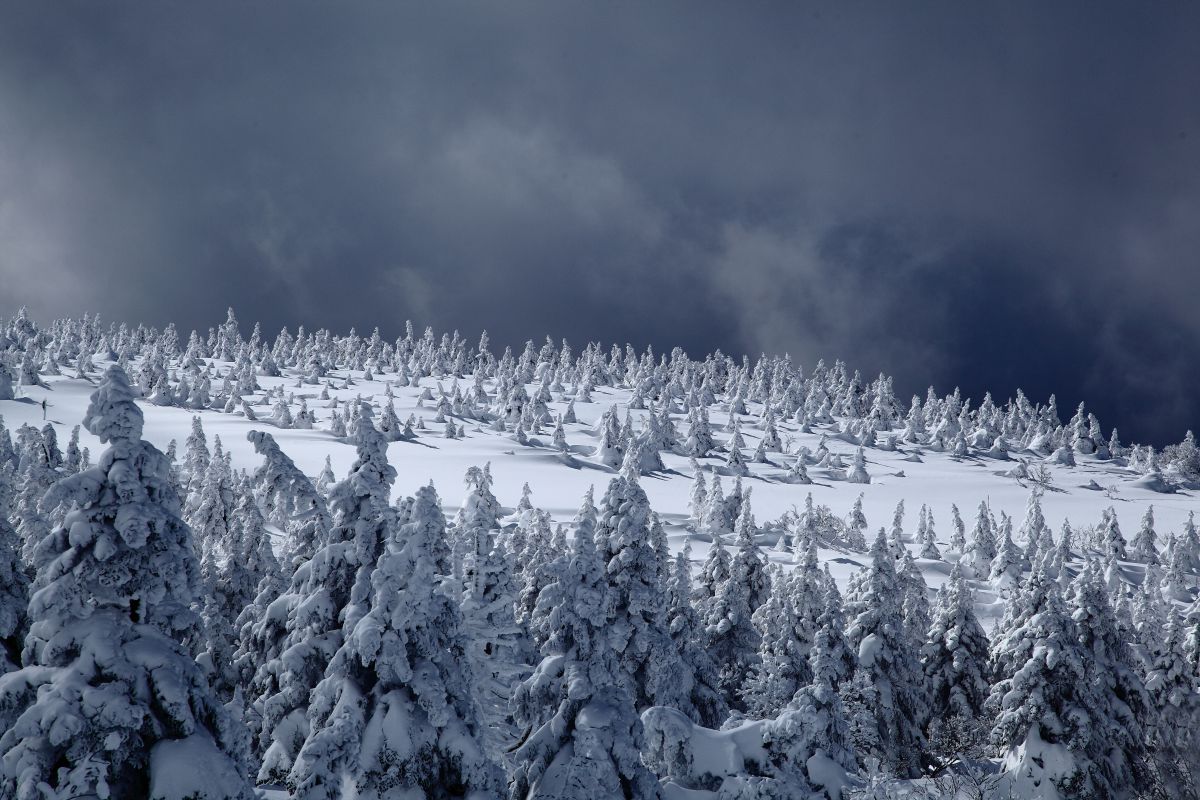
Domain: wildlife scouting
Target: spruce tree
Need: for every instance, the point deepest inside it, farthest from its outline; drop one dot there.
(1044, 709)
(888, 663)
(1120, 705)
(583, 736)
(14, 584)
(395, 713)
(111, 703)
(954, 660)
(698, 676)
(1145, 545)
(1172, 739)
(638, 602)
(327, 595)
(289, 500)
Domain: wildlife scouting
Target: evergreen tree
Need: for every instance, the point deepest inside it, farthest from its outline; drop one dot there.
(699, 497)
(1114, 542)
(730, 635)
(856, 526)
(584, 737)
(983, 542)
(1171, 685)
(954, 660)
(1119, 705)
(637, 598)
(289, 500)
(888, 663)
(782, 667)
(497, 646)
(14, 584)
(927, 537)
(111, 703)
(328, 594)
(211, 514)
(697, 679)
(1044, 723)
(958, 539)
(1010, 561)
(394, 713)
(196, 457)
(749, 566)
(1145, 545)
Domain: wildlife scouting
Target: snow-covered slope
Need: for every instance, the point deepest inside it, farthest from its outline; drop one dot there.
(807, 688)
(914, 474)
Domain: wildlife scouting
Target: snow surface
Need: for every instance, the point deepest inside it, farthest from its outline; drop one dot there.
(915, 474)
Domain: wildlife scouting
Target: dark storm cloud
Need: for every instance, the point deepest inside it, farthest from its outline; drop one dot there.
(994, 196)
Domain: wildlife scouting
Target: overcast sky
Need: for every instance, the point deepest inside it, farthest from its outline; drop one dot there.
(989, 195)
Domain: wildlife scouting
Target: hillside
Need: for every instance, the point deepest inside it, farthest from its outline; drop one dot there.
(445, 406)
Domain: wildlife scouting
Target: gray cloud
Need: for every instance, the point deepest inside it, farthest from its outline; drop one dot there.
(995, 196)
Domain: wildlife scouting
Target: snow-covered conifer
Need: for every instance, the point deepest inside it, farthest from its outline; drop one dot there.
(1114, 542)
(395, 712)
(498, 648)
(1010, 561)
(14, 584)
(888, 662)
(782, 666)
(856, 526)
(110, 702)
(954, 659)
(858, 472)
(798, 473)
(1145, 545)
(328, 594)
(636, 594)
(983, 542)
(289, 499)
(1120, 706)
(584, 737)
(1172, 736)
(1046, 728)
(927, 536)
(698, 674)
(195, 458)
(699, 495)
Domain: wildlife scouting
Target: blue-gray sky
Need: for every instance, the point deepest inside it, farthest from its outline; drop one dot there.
(989, 195)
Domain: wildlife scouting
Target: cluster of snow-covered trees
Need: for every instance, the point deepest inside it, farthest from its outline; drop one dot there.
(219, 372)
(172, 627)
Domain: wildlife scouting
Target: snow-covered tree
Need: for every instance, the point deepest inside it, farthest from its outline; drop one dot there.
(1172, 736)
(858, 471)
(983, 542)
(888, 662)
(289, 500)
(327, 595)
(1044, 724)
(927, 536)
(1119, 706)
(395, 714)
(583, 737)
(636, 592)
(856, 526)
(110, 703)
(1145, 543)
(1010, 562)
(955, 659)
(782, 666)
(958, 539)
(1114, 541)
(14, 584)
(697, 678)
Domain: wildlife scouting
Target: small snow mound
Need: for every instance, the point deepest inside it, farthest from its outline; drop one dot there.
(1154, 482)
